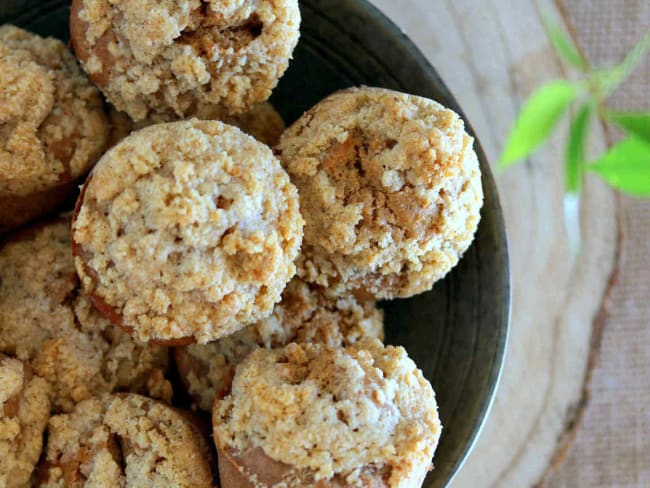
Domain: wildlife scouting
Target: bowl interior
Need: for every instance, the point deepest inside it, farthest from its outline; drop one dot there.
(457, 332)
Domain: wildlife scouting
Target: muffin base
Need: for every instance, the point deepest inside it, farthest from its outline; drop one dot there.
(16, 211)
(256, 470)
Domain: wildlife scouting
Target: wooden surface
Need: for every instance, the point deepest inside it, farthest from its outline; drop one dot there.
(492, 54)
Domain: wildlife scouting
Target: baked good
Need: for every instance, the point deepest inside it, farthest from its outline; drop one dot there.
(186, 232)
(124, 440)
(46, 322)
(174, 55)
(390, 189)
(263, 121)
(314, 415)
(306, 313)
(52, 125)
(121, 126)
(24, 411)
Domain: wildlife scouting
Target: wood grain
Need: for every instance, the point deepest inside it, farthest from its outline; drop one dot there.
(492, 54)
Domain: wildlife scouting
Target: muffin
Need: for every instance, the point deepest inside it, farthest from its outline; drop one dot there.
(186, 232)
(314, 415)
(46, 322)
(124, 440)
(390, 189)
(172, 56)
(262, 122)
(306, 313)
(24, 411)
(52, 125)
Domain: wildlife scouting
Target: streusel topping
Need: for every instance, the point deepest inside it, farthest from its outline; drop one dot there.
(188, 229)
(306, 313)
(52, 124)
(172, 55)
(333, 411)
(45, 321)
(390, 189)
(24, 411)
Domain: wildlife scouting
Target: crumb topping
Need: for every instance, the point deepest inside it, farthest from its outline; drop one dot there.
(305, 314)
(24, 411)
(52, 124)
(390, 190)
(155, 56)
(45, 321)
(188, 229)
(333, 412)
(125, 440)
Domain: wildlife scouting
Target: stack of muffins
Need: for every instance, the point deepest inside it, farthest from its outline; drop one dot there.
(210, 245)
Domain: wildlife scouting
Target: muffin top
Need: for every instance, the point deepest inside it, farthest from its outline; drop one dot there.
(187, 230)
(307, 313)
(45, 321)
(24, 411)
(172, 55)
(52, 124)
(390, 190)
(335, 413)
(125, 440)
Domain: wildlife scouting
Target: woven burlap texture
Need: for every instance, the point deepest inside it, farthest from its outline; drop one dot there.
(613, 446)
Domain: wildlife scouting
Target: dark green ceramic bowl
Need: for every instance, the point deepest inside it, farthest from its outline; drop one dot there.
(456, 333)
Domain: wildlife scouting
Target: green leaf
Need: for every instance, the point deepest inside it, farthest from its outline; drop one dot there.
(565, 47)
(637, 123)
(626, 166)
(537, 118)
(575, 150)
(607, 80)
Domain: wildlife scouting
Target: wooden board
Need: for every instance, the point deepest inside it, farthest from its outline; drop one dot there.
(492, 54)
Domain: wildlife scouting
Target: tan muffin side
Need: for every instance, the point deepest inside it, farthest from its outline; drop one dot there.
(53, 127)
(390, 190)
(16, 211)
(24, 412)
(306, 313)
(45, 321)
(263, 122)
(330, 412)
(169, 55)
(125, 440)
(187, 229)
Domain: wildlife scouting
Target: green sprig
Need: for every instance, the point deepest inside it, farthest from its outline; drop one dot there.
(625, 166)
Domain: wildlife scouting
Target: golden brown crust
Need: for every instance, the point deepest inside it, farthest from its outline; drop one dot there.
(390, 189)
(52, 125)
(360, 415)
(171, 56)
(24, 411)
(307, 313)
(46, 322)
(125, 440)
(187, 230)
